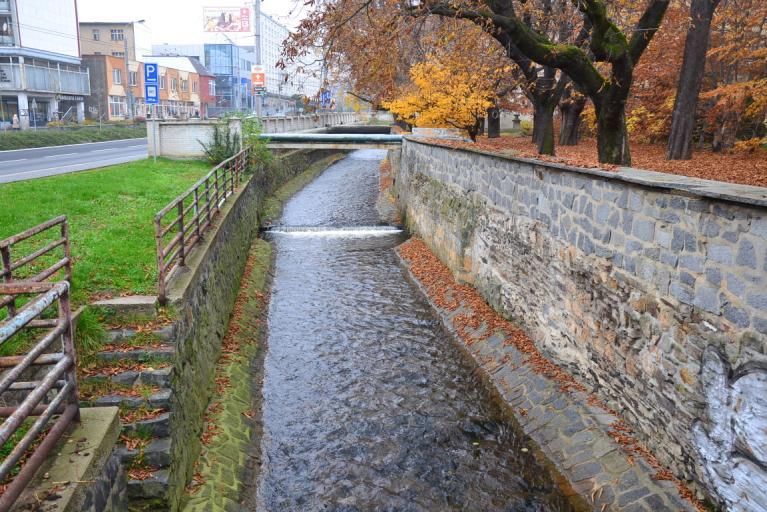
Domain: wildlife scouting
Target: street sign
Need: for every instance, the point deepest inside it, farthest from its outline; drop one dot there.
(151, 95)
(257, 76)
(151, 72)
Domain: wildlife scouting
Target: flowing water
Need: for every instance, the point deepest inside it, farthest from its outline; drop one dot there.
(367, 403)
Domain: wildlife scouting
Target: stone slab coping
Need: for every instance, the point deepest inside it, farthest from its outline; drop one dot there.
(79, 457)
(733, 192)
(131, 304)
(571, 434)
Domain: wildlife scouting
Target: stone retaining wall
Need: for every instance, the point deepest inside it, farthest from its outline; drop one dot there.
(650, 288)
(203, 296)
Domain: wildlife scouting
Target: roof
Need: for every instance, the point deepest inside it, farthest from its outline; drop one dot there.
(201, 70)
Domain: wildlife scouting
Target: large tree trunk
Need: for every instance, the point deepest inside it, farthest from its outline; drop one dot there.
(569, 130)
(690, 78)
(612, 136)
(543, 127)
(493, 123)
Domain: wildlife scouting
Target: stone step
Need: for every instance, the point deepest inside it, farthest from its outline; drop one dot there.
(152, 488)
(121, 336)
(156, 454)
(159, 378)
(163, 353)
(156, 427)
(158, 400)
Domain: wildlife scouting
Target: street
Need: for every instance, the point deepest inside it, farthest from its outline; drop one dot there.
(27, 164)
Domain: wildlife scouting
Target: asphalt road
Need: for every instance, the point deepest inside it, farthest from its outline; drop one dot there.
(26, 164)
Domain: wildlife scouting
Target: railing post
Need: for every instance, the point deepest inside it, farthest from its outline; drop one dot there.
(181, 242)
(161, 290)
(68, 346)
(207, 198)
(7, 277)
(196, 213)
(67, 251)
(216, 187)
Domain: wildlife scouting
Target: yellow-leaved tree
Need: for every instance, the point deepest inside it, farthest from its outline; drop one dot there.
(452, 92)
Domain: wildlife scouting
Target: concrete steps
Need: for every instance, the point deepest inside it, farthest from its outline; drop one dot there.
(152, 391)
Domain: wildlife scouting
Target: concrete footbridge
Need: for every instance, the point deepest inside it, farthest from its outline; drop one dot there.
(331, 140)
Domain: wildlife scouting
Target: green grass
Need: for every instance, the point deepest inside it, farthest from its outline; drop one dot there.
(37, 139)
(110, 214)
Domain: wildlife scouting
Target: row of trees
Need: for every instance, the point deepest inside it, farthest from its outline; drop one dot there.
(691, 71)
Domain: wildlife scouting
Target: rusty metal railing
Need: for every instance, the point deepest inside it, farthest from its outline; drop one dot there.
(54, 379)
(182, 223)
(25, 267)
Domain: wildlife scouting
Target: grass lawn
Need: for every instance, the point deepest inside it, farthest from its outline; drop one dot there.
(45, 138)
(110, 214)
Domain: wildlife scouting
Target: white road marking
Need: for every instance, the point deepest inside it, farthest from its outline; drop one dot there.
(111, 161)
(16, 160)
(58, 155)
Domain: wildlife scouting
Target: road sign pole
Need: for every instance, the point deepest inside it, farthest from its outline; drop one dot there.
(156, 122)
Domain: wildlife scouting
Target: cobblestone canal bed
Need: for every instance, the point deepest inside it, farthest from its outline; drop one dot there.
(367, 402)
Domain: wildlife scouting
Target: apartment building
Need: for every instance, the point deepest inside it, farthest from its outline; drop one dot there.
(41, 74)
(115, 52)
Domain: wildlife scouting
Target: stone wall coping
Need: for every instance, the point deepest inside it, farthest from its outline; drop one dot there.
(732, 192)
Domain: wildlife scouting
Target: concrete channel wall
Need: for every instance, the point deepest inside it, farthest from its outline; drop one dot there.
(650, 288)
(203, 296)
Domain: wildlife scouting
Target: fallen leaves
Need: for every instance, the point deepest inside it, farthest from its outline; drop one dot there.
(477, 321)
(743, 168)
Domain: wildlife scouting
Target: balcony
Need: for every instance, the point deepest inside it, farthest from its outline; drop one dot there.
(46, 79)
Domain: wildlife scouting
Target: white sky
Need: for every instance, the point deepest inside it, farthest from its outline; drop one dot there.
(180, 21)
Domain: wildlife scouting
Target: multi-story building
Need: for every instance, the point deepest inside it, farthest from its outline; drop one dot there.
(283, 85)
(116, 53)
(41, 77)
(230, 66)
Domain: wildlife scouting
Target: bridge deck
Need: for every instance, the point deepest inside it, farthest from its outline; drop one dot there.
(331, 141)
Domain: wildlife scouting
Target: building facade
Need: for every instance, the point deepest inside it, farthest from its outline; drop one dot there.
(41, 76)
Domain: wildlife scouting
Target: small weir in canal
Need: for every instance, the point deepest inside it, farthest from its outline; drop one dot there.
(367, 402)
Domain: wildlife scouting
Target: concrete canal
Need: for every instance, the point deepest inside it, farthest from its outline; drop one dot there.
(367, 402)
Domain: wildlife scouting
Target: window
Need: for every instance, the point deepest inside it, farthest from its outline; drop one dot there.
(96, 34)
(132, 78)
(117, 106)
(211, 88)
(162, 81)
(185, 85)
(118, 54)
(117, 34)
(194, 86)
(117, 76)
(173, 84)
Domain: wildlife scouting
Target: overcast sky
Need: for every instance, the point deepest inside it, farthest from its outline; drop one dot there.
(180, 21)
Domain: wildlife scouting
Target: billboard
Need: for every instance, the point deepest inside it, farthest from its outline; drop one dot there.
(226, 19)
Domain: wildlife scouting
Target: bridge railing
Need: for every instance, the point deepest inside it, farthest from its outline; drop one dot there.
(43, 375)
(181, 225)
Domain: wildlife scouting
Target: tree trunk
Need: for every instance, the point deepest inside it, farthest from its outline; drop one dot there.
(543, 127)
(493, 123)
(481, 126)
(690, 78)
(612, 136)
(571, 121)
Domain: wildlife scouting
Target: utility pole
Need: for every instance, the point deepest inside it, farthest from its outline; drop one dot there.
(128, 88)
(257, 32)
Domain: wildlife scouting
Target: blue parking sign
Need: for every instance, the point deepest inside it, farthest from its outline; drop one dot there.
(151, 72)
(151, 94)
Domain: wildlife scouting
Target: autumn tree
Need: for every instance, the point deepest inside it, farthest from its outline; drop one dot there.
(690, 79)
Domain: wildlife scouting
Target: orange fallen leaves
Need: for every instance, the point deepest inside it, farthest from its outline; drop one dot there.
(441, 287)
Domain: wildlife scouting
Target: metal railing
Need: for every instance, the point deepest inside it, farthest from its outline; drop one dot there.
(59, 378)
(182, 223)
(35, 272)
